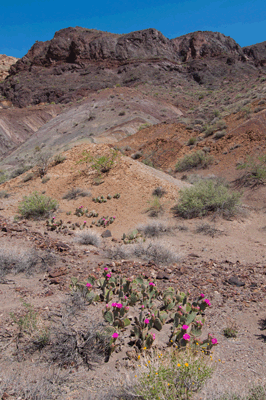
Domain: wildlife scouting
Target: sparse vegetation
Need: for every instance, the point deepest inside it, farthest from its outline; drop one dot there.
(37, 206)
(192, 141)
(195, 160)
(28, 177)
(155, 207)
(42, 163)
(75, 193)
(59, 159)
(102, 164)
(156, 251)
(19, 171)
(4, 194)
(254, 172)
(159, 192)
(206, 197)
(89, 237)
(154, 229)
(230, 332)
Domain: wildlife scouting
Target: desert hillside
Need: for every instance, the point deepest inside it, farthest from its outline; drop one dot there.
(133, 218)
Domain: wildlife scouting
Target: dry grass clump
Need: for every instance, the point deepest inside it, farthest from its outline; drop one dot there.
(155, 207)
(16, 260)
(153, 229)
(89, 237)
(155, 251)
(207, 229)
(74, 193)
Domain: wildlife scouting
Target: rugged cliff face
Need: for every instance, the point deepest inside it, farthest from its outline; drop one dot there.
(78, 61)
(5, 64)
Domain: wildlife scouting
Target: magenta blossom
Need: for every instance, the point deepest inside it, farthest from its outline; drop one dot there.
(207, 302)
(115, 335)
(214, 341)
(152, 284)
(186, 337)
(114, 304)
(119, 305)
(185, 327)
(146, 321)
(114, 217)
(153, 336)
(106, 269)
(85, 222)
(88, 284)
(142, 306)
(202, 295)
(108, 276)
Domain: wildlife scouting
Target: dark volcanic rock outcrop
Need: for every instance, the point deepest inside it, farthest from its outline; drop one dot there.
(78, 61)
(256, 52)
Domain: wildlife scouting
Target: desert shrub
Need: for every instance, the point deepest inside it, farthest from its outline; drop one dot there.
(155, 251)
(207, 229)
(148, 162)
(4, 194)
(254, 172)
(159, 192)
(3, 177)
(89, 237)
(19, 171)
(209, 131)
(153, 229)
(143, 126)
(59, 159)
(74, 193)
(195, 160)
(45, 179)
(230, 332)
(122, 113)
(219, 134)
(191, 141)
(42, 163)
(101, 164)
(155, 207)
(206, 197)
(28, 177)
(37, 206)
(174, 375)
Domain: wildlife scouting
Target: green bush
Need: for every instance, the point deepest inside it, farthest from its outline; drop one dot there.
(173, 376)
(37, 206)
(206, 197)
(198, 159)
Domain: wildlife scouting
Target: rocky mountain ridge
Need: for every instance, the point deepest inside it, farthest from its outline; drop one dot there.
(78, 61)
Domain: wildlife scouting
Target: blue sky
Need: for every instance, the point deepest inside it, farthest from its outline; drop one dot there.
(25, 21)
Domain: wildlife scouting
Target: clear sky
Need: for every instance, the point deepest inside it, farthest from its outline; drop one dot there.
(25, 21)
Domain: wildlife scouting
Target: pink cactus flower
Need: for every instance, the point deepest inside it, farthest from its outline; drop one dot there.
(107, 306)
(153, 336)
(126, 308)
(152, 284)
(214, 341)
(186, 337)
(88, 284)
(125, 297)
(85, 222)
(114, 304)
(106, 269)
(202, 295)
(142, 306)
(207, 302)
(115, 335)
(114, 217)
(146, 321)
(185, 327)
(108, 276)
(119, 305)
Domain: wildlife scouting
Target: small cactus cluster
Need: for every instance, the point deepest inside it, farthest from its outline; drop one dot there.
(132, 237)
(60, 226)
(80, 211)
(105, 221)
(102, 199)
(156, 308)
